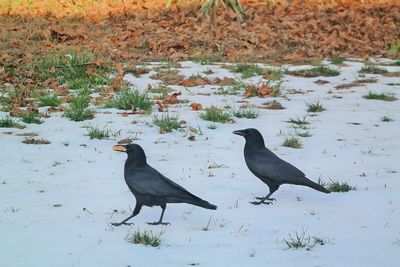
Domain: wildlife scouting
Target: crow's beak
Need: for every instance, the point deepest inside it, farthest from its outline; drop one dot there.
(119, 148)
(239, 132)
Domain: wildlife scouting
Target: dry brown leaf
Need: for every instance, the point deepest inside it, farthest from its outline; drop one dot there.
(264, 90)
(196, 106)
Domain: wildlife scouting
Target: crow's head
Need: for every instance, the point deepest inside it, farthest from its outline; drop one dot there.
(134, 151)
(253, 137)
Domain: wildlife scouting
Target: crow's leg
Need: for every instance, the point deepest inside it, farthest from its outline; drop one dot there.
(267, 197)
(134, 213)
(163, 207)
(262, 200)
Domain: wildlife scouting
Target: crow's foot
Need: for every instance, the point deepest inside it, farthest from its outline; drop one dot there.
(121, 223)
(158, 223)
(262, 201)
(264, 198)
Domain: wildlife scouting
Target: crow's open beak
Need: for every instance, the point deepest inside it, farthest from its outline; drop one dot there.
(239, 132)
(119, 148)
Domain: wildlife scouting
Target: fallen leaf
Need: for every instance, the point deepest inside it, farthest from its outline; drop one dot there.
(264, 90)
(196, 106)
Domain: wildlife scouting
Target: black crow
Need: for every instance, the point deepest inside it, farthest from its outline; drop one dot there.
(150, 187)
(269, 168)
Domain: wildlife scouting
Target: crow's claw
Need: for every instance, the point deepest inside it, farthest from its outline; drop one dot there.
(158, 223)
(260, 202)
(118, 224)
(264, 198)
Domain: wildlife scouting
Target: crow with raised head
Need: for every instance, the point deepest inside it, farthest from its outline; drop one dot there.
(269, 168)
(150, 187)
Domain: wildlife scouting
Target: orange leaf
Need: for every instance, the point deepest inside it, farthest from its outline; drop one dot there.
(250, 91)
(170, 100)
(264, 90)
(196, 106)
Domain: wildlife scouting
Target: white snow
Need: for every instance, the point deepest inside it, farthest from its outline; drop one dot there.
(362, 226)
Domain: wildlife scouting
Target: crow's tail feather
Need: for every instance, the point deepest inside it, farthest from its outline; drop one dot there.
(204, 204)
(192, 199)
(317, 187)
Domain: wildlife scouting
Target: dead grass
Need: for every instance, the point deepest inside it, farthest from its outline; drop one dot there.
(356, 83)
(168, 77)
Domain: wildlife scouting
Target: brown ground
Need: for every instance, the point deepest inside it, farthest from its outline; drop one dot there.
(269, 33)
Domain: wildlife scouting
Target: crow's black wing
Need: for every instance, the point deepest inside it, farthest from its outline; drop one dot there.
(147, 180)
(264, 163)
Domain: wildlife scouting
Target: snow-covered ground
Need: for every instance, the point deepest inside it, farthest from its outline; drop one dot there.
(57, 200)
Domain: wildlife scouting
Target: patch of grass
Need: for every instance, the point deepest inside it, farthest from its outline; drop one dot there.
(303, 133)
(147, 238)
(380, 96)
(75, 69)
(49, 101)
(216, 115)
(167, 123)
(78, 107)
(5, 103)
(336, 186)
(234, 89)
(337, 60)
(47, 67)
(208, 72)
(394, 49)
(371, 68)
(292, 142)
(30, 117)
(273, 74)
(319, 240)
(315, 107)
(78, 83)
(386, 119)
(19, 94)
(248, 113)
(95, 132)
(8, 122)
(252, 253)
(34, 141)
(212, 126)
(319, 70)
(207, 58)
(131, 99)
(299, 121)
(162, 90)
(298, 240)
(247, 70)
(168, 76)
(303, 240)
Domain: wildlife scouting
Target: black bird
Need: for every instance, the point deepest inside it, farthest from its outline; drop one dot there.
(150, 187)
(269, 168)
